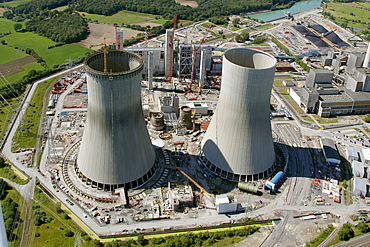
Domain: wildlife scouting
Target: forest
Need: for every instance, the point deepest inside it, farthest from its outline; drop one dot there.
(165, 8)
(65, 26)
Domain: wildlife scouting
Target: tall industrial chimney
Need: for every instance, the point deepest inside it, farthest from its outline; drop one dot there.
(238, 144)
(116, 150)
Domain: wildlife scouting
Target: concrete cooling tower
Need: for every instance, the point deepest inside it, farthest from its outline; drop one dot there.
(116, 150)
(238, 144)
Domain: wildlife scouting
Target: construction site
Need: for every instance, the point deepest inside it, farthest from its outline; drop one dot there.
(147, 149)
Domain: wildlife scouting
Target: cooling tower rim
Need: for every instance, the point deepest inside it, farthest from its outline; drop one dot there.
(121, 73)
(254, 51)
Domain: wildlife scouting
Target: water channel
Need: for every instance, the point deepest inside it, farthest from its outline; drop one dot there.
(277, 14)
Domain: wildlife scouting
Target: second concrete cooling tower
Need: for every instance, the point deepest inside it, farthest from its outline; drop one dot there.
(116, 150)
(238, 144)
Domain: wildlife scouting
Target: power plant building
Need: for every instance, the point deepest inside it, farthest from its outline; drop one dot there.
(238, 144)
(115, 150)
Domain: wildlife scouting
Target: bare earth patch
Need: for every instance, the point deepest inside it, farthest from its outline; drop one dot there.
(15, 66)
(144, 24)
(100, 31)
(190, 3)
(2, 10)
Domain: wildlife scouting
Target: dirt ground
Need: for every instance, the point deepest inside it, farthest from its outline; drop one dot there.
(144, 24)
(190, 3)
(100, 31)
(14, 66)
(2, 10)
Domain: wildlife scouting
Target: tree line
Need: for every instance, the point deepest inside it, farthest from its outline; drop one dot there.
(166, 8)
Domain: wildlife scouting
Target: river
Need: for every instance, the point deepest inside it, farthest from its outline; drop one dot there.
(277, 14)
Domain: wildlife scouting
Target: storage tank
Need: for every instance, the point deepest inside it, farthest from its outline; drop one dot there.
(247, 187)
(115, 150)
(185, 117)
(157, 121)
(238, 143)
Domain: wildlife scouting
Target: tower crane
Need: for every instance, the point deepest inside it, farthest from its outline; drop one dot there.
(105, 51)
(195, 50)
(170, 45)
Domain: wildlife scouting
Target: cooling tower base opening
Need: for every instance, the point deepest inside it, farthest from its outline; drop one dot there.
(111, 187)
(238, 177)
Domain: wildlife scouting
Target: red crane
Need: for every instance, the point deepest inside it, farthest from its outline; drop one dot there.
(170, 45)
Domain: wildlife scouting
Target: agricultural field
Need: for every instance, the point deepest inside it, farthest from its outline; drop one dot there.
(39, 44)
(124, 16)
(355, 15)
(14, 3)
(8, 54)
(6, 25)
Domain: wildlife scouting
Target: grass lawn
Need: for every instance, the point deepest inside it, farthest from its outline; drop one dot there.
(27, 131)
(17, 76)
(278, 83)
(307, 118)
(326, 120)
(282, 77)
(15, 3)
(127, 17)
(40, 44)
(8, 54)
(8, 173)
(235, 29)
(161, 21)
(296, 106)
(51, 233)
(184, 23)
(93, 17)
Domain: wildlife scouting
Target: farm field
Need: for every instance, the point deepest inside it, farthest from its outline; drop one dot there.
(8, 54)
(355, 14)
(124, 16)
(19, 75)
(6, 25)
(15, 3)
(40, 45)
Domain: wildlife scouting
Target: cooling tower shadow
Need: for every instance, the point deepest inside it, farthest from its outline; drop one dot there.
(211, 146)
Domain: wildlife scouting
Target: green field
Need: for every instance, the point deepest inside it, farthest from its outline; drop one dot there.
(161, 21)
(6, 26)
(355, 13)
(124, 16)
(8, 54)
(54, 224)
(40, 45)
(18, 76)
(14, 3)
(27, 131)
(93, 17)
